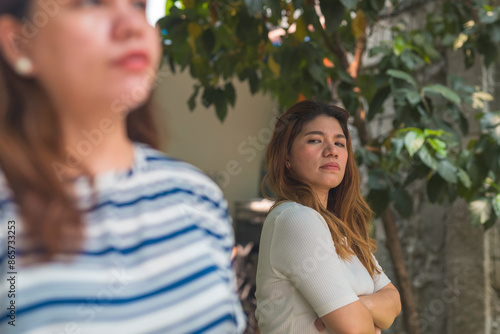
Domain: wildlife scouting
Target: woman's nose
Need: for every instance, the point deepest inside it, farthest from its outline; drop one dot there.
(330, 149)
(128, 22)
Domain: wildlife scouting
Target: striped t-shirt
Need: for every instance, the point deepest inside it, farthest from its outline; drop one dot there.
(155, 259)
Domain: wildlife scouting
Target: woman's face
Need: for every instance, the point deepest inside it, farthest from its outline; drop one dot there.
(93, 50)
(319, 154)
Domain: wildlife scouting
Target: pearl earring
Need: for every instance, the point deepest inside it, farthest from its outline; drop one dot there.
(23, 66)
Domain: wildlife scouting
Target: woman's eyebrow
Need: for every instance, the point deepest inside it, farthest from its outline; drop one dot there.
(315, 133)
(340, 135)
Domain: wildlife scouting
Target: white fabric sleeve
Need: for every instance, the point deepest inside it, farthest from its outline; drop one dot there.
(302, 251)
(380, 280)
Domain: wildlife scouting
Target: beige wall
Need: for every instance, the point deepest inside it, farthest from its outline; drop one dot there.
(231, 152)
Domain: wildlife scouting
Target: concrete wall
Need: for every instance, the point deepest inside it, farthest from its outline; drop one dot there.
(230, 152)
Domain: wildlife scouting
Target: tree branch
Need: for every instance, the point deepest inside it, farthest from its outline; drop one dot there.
(394, 245)
(336, 48)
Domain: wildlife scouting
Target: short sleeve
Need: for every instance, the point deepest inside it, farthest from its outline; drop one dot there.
(302, 250)
(212, 209)
(380, 280)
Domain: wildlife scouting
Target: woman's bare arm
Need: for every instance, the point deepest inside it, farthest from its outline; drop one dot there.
(353, 318)
(384, 305)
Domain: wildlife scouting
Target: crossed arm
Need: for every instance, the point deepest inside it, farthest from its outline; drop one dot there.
(368, 315)
(302, 250)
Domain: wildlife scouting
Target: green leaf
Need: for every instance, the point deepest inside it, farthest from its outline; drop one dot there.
(496, 205)
(495, 33)
(438, 145)
(367, 157)
(436, 188)
(348, 96)
(443, 91)
(349, 4)
(208, 96)
(486, 48)
(377, 5)
(377, 101)
(430, 132)
(403, 76)
(192, 98)
(220, 104)
(253, 6)
(413, 142)
(447, 171)
(317, 73)
(345, 76)
(480, 211)
(298, 3)
(397, 145)
(417, 130)
(169, 5)
(377, 179)
(378, 200)
(230, 94)
(398, 45)
(464, 178)
(490, 122)
(427, 158)
(488, 16)
(403, 202)
(413, 97)
(253, 80)
(333, 11)
(478, 170)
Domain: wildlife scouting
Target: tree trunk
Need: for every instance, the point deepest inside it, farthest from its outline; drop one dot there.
(394, 245)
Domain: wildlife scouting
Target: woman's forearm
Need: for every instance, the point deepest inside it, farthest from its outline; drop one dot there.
(384, 305)
(350, 319)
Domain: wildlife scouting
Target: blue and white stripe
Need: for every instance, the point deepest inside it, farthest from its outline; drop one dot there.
(155, 258)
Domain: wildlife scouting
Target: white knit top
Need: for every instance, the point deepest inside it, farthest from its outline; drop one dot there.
(299, 275)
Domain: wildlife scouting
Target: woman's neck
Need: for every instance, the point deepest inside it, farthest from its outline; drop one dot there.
(97, 144)
(323, 198)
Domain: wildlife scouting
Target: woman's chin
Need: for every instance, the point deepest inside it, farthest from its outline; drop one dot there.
(131, 98)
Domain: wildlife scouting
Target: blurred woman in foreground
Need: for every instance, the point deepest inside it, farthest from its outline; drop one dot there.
(104, 234)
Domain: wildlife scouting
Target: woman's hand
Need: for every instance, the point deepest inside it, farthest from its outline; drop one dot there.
(384, 305)
(320, 326)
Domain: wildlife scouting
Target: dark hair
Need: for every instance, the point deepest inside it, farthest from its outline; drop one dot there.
(347, 214)
(16, 8)
(30, 134)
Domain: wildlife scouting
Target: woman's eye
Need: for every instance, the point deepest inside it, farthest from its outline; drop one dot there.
(140, 4)
(340, 144)
(89, 2)
(313, 141)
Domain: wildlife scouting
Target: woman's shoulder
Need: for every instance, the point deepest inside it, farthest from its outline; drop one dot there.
(155, 159)
(292, 208)
(158, 161)
(289, 214)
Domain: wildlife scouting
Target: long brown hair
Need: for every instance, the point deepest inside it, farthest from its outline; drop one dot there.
(30, 133)
(347, 214)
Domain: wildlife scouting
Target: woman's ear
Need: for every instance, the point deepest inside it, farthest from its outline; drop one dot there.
(13, 46)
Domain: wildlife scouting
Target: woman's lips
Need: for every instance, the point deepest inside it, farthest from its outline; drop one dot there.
(133, 61)
(331, 166)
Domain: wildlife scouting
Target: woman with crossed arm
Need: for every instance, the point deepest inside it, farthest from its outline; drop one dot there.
(316, 266)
